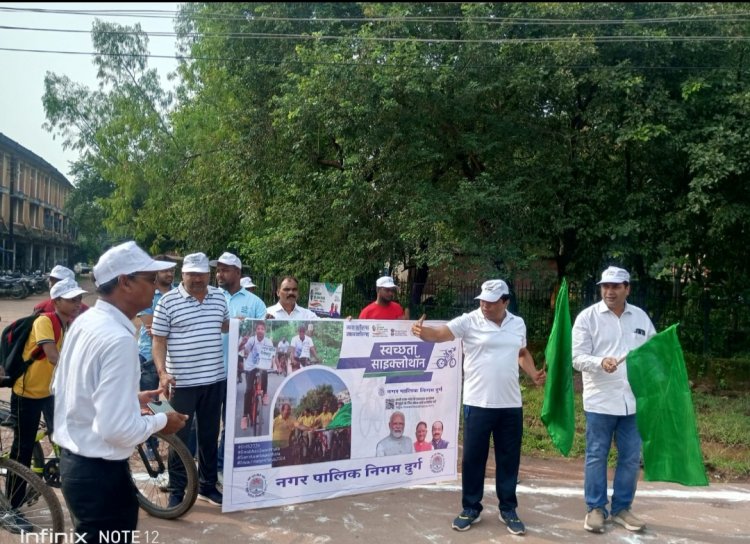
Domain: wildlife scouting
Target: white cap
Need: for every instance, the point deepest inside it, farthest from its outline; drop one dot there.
(195, 262)
(60, 272)
(66, 288)
(247, 282)
(227, 258)
(386, 282)
(492, 290)
(614, 275)
(126, 258)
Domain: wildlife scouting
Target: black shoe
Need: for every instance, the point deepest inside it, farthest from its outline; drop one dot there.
(465, 519)
(175, 501)
(515, 525)
(212, 496)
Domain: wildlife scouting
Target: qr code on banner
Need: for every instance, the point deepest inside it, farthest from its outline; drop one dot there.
(390, 404)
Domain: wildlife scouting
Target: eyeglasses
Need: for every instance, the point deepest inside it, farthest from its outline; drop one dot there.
(150, 277)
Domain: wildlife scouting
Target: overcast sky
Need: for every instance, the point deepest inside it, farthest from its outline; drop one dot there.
(22, 73)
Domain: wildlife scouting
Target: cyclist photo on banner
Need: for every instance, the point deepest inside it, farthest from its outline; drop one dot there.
(258, 354)
(303, 415)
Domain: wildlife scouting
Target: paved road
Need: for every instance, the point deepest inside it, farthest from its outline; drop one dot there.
(550, 497)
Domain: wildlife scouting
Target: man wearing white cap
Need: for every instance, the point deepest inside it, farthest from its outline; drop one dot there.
(247, 283)
(603, 334)
(384, 306)
(241, 304)
(98, 417)
(58, 273)
(187, 349)
(494, 342)
(30, 397)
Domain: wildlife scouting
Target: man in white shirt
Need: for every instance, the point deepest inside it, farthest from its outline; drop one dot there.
(303, 348)
(396, 443)
(494, 342)
(98, 418)
(287, 307)
(603, 334)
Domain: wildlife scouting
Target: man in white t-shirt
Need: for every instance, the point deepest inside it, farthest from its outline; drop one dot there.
(494, 343)
(302, 348)
(258, 352)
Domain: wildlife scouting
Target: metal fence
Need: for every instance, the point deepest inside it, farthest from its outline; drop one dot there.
(709, 324)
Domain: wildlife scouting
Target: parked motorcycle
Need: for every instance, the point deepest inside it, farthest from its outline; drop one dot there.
(13, 287)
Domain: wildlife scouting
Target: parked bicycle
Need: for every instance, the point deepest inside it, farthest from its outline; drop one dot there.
(26, 502)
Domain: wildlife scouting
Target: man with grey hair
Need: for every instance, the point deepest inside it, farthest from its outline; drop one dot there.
(396, 443)
(98, 409)
(187, 349)
(603, 334)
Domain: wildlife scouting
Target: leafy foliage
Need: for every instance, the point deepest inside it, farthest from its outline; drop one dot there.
(471, 136)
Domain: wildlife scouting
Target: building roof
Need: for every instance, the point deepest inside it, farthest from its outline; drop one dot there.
(32, 158)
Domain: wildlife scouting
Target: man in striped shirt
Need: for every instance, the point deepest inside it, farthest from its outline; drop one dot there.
(187, 349)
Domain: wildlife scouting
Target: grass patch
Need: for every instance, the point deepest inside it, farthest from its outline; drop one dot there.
(723, 427)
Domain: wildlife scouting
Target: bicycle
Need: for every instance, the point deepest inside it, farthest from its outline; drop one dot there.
(32, 506)
(149, 470)
(46, 468)
(148, 467)
(256, 411)
(447, 358)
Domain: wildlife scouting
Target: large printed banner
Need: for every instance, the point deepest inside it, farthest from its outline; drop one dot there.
(322, 409)
(325, 299)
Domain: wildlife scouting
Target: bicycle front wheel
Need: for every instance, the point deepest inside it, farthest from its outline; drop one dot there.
(149, 470)
(27, 504)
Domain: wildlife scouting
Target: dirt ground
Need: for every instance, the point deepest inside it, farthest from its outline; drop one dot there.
(550, 494)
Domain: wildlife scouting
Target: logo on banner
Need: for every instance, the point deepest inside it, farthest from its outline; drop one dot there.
(437, 462)
(399, 332)
(379, 331)
(256, 485)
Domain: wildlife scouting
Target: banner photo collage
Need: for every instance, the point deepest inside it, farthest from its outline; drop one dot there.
(327, 408)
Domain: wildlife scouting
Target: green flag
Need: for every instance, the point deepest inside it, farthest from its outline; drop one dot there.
(557, 410)
(664, 412)
(342, 418)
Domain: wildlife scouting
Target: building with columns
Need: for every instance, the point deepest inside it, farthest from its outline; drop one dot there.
(35, 233)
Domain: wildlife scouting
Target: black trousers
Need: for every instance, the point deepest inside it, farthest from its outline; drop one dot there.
(202, 402)
(101, 497)
(505, 426)
(27, 414)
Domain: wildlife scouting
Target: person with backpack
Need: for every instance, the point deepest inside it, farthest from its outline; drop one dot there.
(31, 395)
(58, 273)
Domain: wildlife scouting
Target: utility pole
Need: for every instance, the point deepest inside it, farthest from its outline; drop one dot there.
(14, 166)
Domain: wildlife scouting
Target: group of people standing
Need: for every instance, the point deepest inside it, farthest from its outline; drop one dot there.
(494, 342)
(100, 393)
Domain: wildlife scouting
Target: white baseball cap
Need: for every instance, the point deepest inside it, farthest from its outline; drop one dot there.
(386, 282)
(195, 262)
(227, 258)
(492, 290)
(126, 258)
(66, 288)
(60, 272)
(614, 275)
(247, 282)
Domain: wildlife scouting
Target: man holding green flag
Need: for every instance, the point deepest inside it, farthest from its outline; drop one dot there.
(603, 334)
